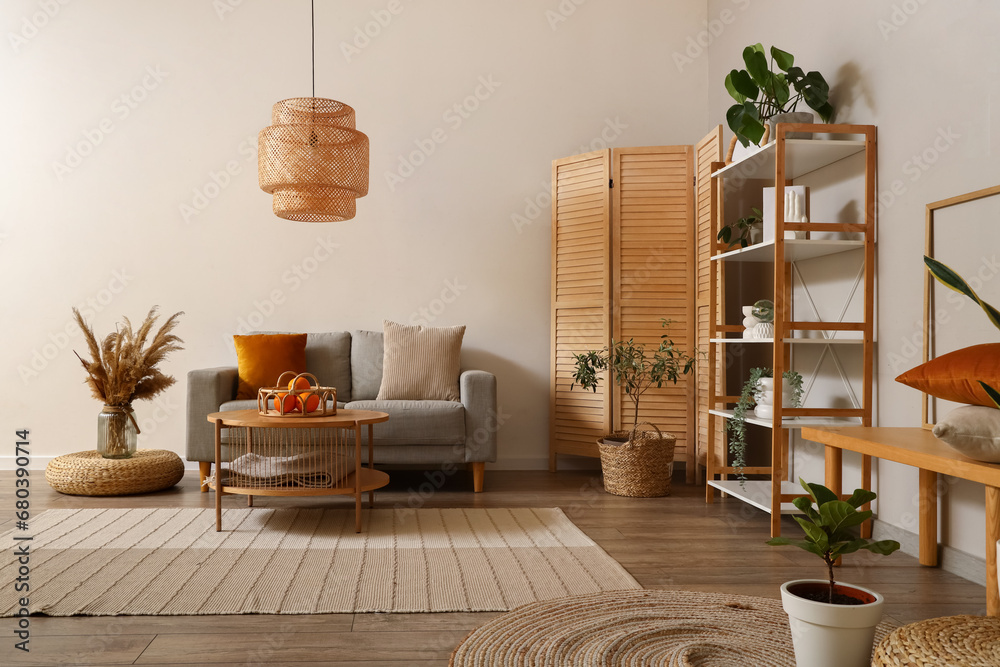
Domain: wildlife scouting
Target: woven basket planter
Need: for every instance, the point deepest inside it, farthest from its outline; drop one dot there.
(641, 467)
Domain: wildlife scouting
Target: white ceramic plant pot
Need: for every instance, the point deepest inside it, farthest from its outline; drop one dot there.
(763, 330)
(831, 635)
(764, 397)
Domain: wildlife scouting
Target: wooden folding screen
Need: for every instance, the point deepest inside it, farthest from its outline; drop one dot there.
(581, 299)
(708, 158)
(622, 259)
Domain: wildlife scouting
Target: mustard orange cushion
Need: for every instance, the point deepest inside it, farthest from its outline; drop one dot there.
(955, 376)
(261, 358)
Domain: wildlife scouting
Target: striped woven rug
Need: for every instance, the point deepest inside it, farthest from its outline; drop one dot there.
(304, 561)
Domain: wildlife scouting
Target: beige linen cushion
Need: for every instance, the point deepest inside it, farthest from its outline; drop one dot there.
(420, 363)
(973, 430)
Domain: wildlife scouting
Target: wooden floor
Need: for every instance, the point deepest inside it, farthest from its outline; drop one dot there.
(677, 542)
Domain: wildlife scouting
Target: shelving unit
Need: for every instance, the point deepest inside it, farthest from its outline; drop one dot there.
(781, 162)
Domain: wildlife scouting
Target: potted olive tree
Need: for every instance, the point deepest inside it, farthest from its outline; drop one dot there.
(833, 625)
(635, 462)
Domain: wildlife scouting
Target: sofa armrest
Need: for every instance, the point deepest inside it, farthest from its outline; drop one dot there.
(478, 391)
(207, 389)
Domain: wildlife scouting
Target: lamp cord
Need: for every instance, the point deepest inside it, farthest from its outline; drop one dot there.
(313, 17)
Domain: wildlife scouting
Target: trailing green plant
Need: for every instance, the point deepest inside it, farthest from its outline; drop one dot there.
(950, 279)
(736, 424)
(742, 227)
(828, 526)
(634, 369)
(762, 93)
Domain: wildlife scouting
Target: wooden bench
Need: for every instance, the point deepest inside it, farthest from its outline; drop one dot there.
(919, 448)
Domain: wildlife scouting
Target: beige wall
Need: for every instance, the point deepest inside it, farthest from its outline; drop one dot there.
(165, 97)
(928, 74)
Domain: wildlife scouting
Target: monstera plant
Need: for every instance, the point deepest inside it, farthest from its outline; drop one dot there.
(761, 93)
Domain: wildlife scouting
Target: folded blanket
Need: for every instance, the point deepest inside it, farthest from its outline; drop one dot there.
(314, 470)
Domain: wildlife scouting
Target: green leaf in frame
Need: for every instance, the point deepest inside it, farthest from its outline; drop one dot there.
(782, 58)
(743, 84)
(949, 278)
(991, 392)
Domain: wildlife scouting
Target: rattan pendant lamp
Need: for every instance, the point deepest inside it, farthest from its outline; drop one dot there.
(311, 159)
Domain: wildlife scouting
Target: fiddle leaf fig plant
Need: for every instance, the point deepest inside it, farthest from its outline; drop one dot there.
(761, 93)
(828, 526)
(635, 369)
(950, 279)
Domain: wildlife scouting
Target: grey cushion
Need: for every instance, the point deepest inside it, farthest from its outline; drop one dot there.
(417, 422)
(328, 357)
(366, 364)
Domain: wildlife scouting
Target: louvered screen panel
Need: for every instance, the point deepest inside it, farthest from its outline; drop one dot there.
(707, 151)
(652, 243)
(581, 299)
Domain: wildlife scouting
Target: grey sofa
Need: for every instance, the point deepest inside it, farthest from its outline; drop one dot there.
(418, 432)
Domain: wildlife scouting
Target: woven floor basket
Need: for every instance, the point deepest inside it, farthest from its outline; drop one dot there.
(641, 467)
(950, 641)
(89, 474)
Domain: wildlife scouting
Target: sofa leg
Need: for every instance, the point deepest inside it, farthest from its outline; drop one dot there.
(478, 470)
(204, 470)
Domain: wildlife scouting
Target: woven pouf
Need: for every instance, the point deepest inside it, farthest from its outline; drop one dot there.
(90, 474)
(675, 628)
(949, 641)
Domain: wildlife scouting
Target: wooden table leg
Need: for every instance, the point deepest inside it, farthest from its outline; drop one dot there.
(371, 462)
(927, 531)
(218, 475)
(992, 535)
(866, 483)
(834, 463)
(357, 479)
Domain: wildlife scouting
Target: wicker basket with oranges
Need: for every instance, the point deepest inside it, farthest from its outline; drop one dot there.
(297, 395)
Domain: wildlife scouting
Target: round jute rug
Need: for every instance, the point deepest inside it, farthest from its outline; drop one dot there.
(668, 628)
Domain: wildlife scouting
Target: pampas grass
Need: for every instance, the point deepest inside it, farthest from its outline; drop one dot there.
(121, 368)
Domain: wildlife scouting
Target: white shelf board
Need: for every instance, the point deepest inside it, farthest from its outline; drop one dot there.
(758, 492)
(807, 341)
(802, 156)
(793, 422)
(795, 250)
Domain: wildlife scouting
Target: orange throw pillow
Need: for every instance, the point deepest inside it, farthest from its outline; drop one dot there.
(262, 358)
(955, 376)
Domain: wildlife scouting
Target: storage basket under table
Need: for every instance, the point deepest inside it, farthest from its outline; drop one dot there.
(282, 456)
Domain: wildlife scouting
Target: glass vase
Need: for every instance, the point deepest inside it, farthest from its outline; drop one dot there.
(117, 432)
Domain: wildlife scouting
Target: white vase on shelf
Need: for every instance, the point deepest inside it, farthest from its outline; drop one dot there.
(763, 330)
(764, 397)
(749, 322)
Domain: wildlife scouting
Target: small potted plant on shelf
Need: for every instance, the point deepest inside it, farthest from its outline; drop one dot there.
(745, 231)
(636, 462)
(763, 94)
(757, 393)
(833, 625)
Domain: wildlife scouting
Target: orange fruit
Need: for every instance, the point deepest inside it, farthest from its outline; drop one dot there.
(309, 402)
(288, 403)
(300, 383)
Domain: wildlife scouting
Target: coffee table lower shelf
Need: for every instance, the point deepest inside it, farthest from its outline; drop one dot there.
(353, 485)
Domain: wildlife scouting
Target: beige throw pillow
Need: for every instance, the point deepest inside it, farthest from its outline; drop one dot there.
(420, 363)
(973, 430)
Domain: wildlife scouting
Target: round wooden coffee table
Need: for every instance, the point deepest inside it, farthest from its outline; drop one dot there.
(295, 456)
(90, 474)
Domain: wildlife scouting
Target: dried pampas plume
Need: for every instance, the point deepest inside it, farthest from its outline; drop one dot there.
(120, 370)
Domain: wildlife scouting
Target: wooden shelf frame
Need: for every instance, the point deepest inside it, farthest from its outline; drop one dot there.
(786, 159)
